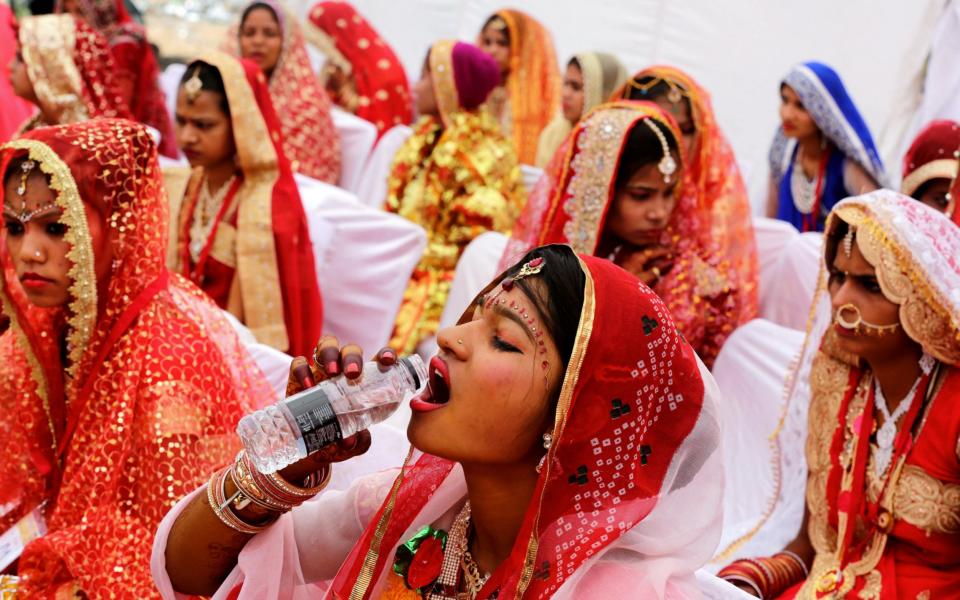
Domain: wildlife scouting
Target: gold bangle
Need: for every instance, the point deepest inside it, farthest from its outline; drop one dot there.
(221, 506)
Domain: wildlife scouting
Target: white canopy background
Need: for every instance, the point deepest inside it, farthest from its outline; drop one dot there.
(738, 49)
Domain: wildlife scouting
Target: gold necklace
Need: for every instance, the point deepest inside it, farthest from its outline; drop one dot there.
(204, 214)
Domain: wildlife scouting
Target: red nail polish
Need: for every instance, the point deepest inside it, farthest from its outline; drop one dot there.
(333, 368)
(351, 369)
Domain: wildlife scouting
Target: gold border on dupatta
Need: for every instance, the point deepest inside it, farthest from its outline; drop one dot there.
(570, 379)
(444, 85)
(593, 167)
(924, 314)
(48, 43)
(36, 372)
(257, 267)
(82, 316)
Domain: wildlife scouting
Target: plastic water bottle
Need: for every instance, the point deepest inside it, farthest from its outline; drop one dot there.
(291, 429)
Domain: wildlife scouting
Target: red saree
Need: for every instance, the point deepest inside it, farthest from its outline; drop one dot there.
(143, 403)
(137, 72)
(15, 109)
(712, 177)
(382, 93)
(633, 436)
(310, 141)
(569, 205)
(895, 535)
(72, 72)
(258, 259)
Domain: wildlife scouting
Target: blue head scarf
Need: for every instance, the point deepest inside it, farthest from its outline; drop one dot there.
(826, 100)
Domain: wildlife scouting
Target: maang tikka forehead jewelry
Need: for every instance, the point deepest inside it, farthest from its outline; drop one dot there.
(25, 216)
(533, 267)
(26, 167)
(667, 166)
(193, 86)
(848, 241)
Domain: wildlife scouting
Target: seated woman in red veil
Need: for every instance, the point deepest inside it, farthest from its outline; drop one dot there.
(137, 72)
(239, 231)
(271, 36)
(120, 383)
(882, 516)
(616, 189)
(362, 73)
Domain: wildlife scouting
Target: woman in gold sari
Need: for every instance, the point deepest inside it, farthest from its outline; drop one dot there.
(456, 176)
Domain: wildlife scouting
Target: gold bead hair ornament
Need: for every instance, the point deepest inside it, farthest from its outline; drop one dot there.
(848, 241)
(667, 166)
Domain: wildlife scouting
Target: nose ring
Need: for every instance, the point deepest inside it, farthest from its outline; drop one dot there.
(460, 342)
(36, 254)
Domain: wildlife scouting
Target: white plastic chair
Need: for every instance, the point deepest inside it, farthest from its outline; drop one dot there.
(793, 281)
(372, 189)
(751, 371)
(364, 260)
(357, 137)
(772, 236)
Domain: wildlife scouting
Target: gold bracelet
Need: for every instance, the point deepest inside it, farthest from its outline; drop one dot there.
(221, 506)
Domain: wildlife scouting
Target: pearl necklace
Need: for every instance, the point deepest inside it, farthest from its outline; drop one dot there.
(888, 431)
(804, 190)
(204, 215)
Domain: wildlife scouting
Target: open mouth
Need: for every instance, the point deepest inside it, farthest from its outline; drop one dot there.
(437, 393)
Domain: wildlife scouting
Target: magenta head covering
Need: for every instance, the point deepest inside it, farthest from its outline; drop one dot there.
(463, 76)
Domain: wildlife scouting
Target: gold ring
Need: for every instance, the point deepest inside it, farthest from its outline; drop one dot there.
(656, 272)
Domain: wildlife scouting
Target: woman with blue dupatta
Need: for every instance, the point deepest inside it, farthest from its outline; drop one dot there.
(823, 151)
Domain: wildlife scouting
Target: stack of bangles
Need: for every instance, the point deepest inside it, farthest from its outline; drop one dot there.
(271, 493)
(768, 577)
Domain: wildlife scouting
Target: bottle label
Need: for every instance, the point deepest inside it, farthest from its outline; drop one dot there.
(316, 420)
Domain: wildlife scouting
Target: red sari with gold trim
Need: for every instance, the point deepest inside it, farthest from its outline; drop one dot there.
(310, 140)
(712, 176)
(257, 262)
(115, 406)
(570, 203)
(895, 535)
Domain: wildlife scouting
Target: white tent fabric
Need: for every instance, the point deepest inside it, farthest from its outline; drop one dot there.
(737, 50)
